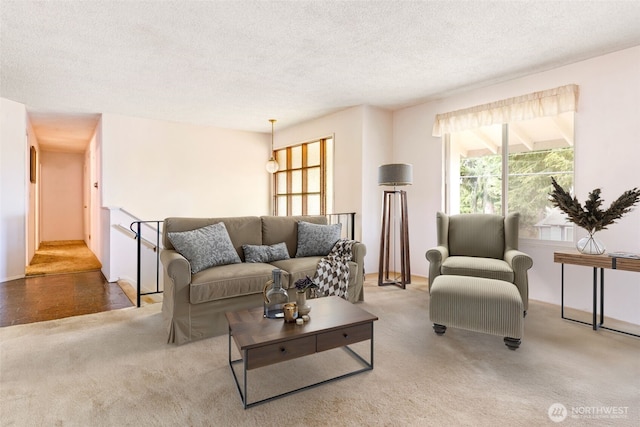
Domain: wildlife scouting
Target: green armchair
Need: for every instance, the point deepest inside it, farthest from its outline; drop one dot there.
(480, 245)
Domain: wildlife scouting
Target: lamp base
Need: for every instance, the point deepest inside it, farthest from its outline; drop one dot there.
(384, 274)
(397, 283)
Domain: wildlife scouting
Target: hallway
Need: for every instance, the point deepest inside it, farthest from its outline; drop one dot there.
(62, 256)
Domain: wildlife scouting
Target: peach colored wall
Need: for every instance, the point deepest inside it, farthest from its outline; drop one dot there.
(33, 231)
(61, 196)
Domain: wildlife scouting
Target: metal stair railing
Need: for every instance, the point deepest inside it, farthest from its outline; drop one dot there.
(155, 247)
(347, 220)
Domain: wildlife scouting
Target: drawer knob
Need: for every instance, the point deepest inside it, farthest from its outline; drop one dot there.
(283, 350)
(345, 335)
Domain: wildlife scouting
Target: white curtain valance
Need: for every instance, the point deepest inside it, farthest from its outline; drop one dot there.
(545, 103)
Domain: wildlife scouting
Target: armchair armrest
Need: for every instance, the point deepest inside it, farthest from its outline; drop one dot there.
(520, 263)
(436, 257)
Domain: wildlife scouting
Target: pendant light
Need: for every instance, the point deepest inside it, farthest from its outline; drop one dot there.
(272, 165)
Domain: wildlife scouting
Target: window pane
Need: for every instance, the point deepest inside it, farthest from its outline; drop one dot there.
(296, 205)
(296, 157)
(476, 156)
(282, 205)
(313, 154)
(296, 181)
(313, 204)
(313, 180)
(540, 149)
(281, 183)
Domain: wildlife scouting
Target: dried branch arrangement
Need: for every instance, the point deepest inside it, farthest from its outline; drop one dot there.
(592, 218)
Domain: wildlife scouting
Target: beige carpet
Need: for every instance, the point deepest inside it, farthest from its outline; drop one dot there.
(62, 256)
(115, 369)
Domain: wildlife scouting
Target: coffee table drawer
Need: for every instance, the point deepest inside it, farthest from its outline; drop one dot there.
(345, 336)
(279, 352)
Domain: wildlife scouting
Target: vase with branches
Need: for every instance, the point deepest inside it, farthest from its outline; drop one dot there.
(302, 286)
(592, 217)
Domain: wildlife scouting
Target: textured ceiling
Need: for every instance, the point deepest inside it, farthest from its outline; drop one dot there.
(235, 64)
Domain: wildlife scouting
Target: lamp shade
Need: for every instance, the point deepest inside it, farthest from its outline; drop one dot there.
(395, 174)
(272, 165)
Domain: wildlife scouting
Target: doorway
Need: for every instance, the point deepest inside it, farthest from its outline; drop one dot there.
(62, 205)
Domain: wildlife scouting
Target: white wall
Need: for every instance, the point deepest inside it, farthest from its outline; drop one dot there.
(123, 251)
(156, 169)
(14, 177)
(61, 196)
(607, 150)
(95, 184)
(376, 150)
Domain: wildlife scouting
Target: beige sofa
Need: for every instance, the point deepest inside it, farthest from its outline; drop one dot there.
(194, 304)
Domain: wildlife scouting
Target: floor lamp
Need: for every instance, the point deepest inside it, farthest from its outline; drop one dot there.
(394, 210)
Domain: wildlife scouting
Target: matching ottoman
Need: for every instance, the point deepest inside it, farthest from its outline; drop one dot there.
(477, 304)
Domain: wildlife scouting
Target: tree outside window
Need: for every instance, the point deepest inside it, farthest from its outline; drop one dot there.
(508, 168)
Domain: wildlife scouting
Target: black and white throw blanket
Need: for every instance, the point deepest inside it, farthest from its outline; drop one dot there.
(332, 274)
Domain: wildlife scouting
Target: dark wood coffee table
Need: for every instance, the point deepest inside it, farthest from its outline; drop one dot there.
(261, 342)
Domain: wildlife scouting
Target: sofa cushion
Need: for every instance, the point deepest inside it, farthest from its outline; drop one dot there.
(265, 253)
(297, 268)
(315, 239)
(228, 281)
(276, 229)
(488, 268)
(243, 230)
(205, 247)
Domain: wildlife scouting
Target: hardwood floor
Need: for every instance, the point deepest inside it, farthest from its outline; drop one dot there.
(34, 299)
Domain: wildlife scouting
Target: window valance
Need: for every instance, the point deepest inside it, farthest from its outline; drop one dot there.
(545, 103)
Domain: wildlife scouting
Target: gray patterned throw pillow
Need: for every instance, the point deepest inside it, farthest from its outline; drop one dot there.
(205, 247)
(265, 253)
(316, 239)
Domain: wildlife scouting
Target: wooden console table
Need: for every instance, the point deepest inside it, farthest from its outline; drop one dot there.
(601, 262)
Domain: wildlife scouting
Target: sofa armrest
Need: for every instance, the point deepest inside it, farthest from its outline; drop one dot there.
(520, 263)
(175, 299)
(358, 250)
(436, 257)
(177, 266)
(178, 269)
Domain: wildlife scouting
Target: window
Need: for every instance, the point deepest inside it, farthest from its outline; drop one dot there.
(304, 182)
(501, 161)
(508, 168)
